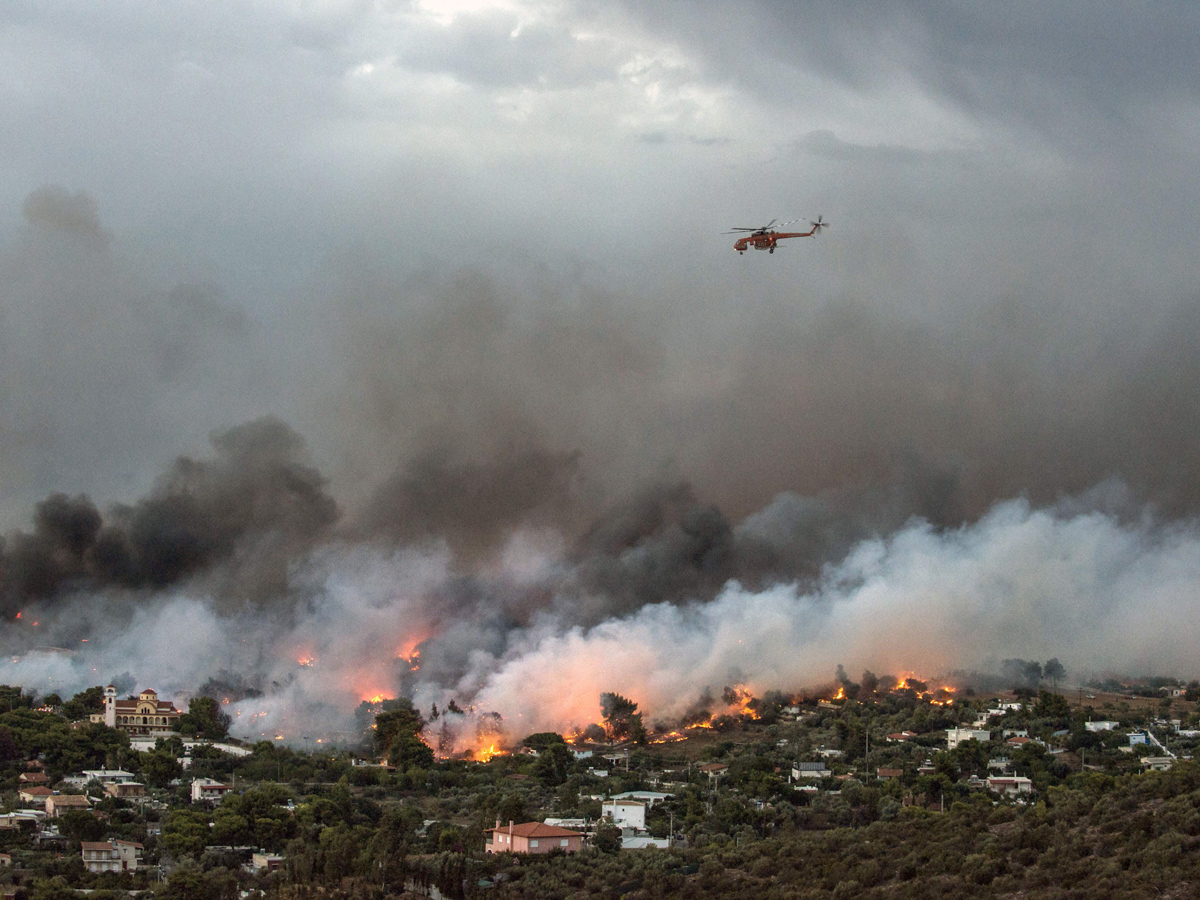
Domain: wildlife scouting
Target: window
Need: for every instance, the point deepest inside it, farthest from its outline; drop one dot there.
(564, 842)
(533, 843)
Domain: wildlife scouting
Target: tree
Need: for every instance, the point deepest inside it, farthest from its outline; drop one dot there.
(84, 704)
(542, 740)
(1053, 671)
(553, 764)
(398, 736)
(607, 838)
(1050, 705)
(622, 721)
(80, 825)
(205, 719)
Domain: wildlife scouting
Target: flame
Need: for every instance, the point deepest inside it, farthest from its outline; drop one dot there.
(486, 753)
(841, 694)
(304, 660)
(18, 615)
(374, 698)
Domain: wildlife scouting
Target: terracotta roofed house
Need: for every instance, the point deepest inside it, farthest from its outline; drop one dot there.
(35, 795)
(57, 804)
(532, 837)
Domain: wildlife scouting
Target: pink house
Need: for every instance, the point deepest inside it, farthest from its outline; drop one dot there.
(532, 837)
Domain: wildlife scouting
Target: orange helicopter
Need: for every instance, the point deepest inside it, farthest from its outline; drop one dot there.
(765, 238)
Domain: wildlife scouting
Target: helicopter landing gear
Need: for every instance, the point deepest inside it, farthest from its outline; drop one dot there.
(771, 250)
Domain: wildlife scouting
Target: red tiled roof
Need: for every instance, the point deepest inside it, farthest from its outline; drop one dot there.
(537, 830)
(71, 800)
(38, 790)
(96, 845)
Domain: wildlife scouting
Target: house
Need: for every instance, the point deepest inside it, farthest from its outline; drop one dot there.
(889, 774)
(1018, 741)
(956, 736)
(647, 797)
(147, 715)
(626, 813)
(1138, 737)
(927, 768)
(111, 856)
(265, 862)
(1100, 726)
(33, 778)
(34, 797)
(57, 804)
(206, 790)
(1014, 732)
(125, 790)
(1010, 785)
(532, 837)
(106, 776)
(902, 736)
(644, 842)
(809, 770)
(713, 770)
(22, 818)
(1157, 763)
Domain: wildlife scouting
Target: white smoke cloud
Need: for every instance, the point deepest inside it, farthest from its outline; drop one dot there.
(1097, 594)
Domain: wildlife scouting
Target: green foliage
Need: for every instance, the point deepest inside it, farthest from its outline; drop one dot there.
(185, 833)
(622, 721)
(82, 704)
(398, 736)
(542, 740)
(205, 718)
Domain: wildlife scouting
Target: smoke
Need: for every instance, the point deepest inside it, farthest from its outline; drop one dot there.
(499, 488)
(239, 518)
(1099, 592)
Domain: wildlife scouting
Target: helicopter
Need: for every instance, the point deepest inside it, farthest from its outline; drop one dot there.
(765, 237)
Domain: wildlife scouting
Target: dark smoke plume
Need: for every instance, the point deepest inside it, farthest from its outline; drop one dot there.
(254, 507)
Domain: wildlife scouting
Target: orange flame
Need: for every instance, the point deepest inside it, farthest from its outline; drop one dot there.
(841, 694)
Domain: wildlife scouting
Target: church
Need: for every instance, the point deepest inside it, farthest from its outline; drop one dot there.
(147, 715)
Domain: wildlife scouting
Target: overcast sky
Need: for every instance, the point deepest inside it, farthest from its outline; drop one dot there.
(214, 211)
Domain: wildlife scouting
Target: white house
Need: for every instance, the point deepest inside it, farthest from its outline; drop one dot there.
(956, 736)
(626, 813)
(107, 776)
(647, 797)
(1100, 726)
(1010, 785)
(809, 770)
(111, 856)
(207, 790)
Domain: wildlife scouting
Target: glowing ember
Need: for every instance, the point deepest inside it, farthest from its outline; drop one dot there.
(304, 661)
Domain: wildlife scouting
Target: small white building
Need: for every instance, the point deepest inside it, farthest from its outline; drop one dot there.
(809, 770)
(644, 842)
(209, 791)
(1100, 726)
(1010, 785)
(956, 736)
(626, 813)
(1157, 763)
(107, 776)
(647, 797)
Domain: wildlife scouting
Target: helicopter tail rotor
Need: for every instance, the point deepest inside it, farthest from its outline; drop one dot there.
(818, 225)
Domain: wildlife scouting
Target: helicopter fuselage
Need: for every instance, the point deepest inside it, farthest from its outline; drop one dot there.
(767, 240)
